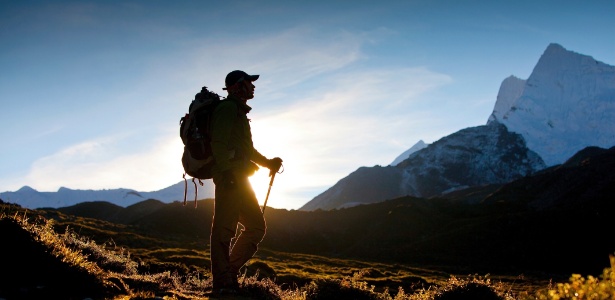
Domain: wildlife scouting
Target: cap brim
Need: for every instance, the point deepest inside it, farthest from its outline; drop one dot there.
(252, 77)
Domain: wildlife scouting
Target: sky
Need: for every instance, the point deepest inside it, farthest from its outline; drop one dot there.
(91, 92)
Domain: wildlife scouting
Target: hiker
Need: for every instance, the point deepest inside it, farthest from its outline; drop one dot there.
(235, 201)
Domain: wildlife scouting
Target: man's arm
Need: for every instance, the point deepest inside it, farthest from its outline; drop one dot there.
(258, 158)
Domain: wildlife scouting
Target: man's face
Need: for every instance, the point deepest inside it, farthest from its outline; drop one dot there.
(249, 88)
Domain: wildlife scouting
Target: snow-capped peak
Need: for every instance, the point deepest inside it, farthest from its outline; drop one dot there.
(418, 146)
(510, 90)
(565, 105)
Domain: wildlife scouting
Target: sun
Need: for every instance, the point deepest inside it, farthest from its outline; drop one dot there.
(287, 135)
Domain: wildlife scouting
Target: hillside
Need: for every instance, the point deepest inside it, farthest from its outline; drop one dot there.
(71, 266)
(510, 231)
(528, 221)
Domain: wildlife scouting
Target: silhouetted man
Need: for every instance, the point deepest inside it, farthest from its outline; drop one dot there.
(235, 201)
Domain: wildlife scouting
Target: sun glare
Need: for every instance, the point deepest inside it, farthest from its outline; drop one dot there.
(282, 141)
(285, 184)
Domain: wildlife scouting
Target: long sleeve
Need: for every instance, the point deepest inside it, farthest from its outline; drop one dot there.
(258, 158)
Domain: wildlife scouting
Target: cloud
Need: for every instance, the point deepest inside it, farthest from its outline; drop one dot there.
(107, 163)
(283, 58)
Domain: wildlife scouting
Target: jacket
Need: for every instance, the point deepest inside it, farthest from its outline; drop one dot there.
(231, 142)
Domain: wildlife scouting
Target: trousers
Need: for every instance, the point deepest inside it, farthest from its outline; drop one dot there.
(234, 206)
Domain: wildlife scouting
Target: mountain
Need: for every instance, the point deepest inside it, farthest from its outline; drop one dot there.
(30, 198)
(475, 156)
(418, 146)
(567, 104)
(582, 180)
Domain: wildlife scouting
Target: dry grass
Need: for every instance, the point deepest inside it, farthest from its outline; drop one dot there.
(112, 272)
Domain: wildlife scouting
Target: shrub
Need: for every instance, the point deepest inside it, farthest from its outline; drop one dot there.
(477, 288)
(580, 287)
(346, 288)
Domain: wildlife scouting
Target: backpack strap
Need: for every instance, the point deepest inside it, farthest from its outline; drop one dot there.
(196, 190)
(185, 188)
(201, 183)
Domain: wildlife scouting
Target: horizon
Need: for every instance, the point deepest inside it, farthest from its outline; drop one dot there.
(92, 92)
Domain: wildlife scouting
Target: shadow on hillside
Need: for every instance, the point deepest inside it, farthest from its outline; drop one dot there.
(30, 271)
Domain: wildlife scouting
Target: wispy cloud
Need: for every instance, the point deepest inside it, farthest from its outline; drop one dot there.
(107, 163)
(356, 120)
(284, 58)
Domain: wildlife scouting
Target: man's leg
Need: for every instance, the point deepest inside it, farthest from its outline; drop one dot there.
(251, 217)
(226, 216)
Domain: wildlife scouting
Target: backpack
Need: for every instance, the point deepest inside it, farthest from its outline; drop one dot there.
(194, 130)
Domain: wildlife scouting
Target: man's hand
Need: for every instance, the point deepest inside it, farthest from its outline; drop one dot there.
(274, 165)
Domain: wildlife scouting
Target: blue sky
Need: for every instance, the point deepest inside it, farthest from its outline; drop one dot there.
(91, 92)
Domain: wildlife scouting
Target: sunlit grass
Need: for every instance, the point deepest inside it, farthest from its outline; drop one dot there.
(581, 287)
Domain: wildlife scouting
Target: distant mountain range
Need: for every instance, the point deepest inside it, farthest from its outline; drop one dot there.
(30, 198)
(567, 104)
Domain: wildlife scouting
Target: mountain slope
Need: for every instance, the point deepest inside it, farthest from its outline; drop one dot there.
(474, 156)
(585, 179)
(503, 232)
(365, 185)
(470, 157)
(505, 229)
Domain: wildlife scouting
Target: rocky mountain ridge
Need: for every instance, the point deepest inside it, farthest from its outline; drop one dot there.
(475, 156)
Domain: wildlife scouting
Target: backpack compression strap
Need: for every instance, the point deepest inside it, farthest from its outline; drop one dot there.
(196, 190)
(185, 188)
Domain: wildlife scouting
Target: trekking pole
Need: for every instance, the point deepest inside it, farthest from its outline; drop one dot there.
(272, 175)
(268, 191)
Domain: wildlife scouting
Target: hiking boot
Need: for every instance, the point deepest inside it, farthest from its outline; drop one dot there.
(222, 292)
(229, 287)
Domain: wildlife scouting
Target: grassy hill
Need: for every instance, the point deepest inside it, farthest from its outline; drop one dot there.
(529, 226)
(524, 234)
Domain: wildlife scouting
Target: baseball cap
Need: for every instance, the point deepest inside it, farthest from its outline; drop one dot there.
(238, 76)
